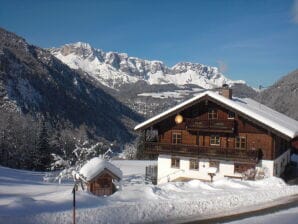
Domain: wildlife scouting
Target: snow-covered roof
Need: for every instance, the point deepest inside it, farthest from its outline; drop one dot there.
(251, 108)
(95, 166)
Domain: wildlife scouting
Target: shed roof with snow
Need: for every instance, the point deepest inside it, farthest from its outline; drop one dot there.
(255, 110)
(95, 166)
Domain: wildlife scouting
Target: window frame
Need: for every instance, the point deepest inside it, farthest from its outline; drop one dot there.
(175, 162)
(214, 142)
(194, 164)
(175, 137)
(212, 114)
(214, 163)
(231, 115)
(239, 143)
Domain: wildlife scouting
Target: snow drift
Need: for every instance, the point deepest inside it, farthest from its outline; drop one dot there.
(38, 202)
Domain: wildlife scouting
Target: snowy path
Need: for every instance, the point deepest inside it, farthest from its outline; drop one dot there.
(285, 214)
(253, 213)
(24, 198)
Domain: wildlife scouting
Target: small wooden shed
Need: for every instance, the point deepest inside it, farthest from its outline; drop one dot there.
(100, 176)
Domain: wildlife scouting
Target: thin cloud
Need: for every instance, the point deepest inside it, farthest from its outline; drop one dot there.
(254, 43)
(223, 67)
(295, 11)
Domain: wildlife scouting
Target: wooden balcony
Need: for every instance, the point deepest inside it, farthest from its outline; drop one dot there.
(227, 126)
(230, 154)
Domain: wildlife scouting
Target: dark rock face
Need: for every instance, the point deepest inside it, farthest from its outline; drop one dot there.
(283, 95)
(33, 81)
(242, 91)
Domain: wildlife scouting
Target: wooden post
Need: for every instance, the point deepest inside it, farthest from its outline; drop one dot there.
(211, 176)
(74, 205)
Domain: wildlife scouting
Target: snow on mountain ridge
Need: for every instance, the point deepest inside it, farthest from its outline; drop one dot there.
(114, 69)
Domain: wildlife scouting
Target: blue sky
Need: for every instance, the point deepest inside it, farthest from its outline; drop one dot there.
(256, 41)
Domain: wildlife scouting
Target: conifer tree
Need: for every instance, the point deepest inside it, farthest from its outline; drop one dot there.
(43, 149)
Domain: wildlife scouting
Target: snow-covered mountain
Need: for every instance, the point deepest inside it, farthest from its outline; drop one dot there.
(33, 82)
(148, 87)
(114, 69)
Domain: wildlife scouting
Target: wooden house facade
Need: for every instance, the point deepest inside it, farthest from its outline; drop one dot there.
(217, 130)
(103, 183)
(100, 176)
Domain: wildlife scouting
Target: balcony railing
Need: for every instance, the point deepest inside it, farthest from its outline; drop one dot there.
(210, 125)
(202, 152)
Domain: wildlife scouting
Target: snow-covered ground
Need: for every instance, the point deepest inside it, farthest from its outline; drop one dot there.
(163, 95)
(174, 94)
(25, 198)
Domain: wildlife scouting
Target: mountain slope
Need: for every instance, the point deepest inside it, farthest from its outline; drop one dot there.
(147, 87)
(34, 82)
(283, 95)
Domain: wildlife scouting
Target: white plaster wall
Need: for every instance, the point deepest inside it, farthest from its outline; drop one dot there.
(269, 164)
(164, 169)
(227, 168)
(201, 173)
(166, 173)
(280, 162)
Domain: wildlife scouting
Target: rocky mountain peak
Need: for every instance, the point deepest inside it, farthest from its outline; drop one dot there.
(82, 45)
(115, 69)
(188, 66)
(84, 50)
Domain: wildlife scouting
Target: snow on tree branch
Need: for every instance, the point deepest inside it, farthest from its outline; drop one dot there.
(80, 155)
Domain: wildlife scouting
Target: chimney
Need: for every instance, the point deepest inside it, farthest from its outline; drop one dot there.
(226, 91)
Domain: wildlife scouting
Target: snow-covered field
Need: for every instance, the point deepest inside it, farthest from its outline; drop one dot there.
(174, 94)
(25, 198)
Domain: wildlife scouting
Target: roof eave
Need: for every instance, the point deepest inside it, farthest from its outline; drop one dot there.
(176, 109)
(179, 107)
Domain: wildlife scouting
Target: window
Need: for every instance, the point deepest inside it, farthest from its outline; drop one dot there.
(176, 138)
(193, 164)
(198, 139)
(175, 163)
(231, 115)
(214, 164)
(240, 142)
(212, 114)
(214, 140)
